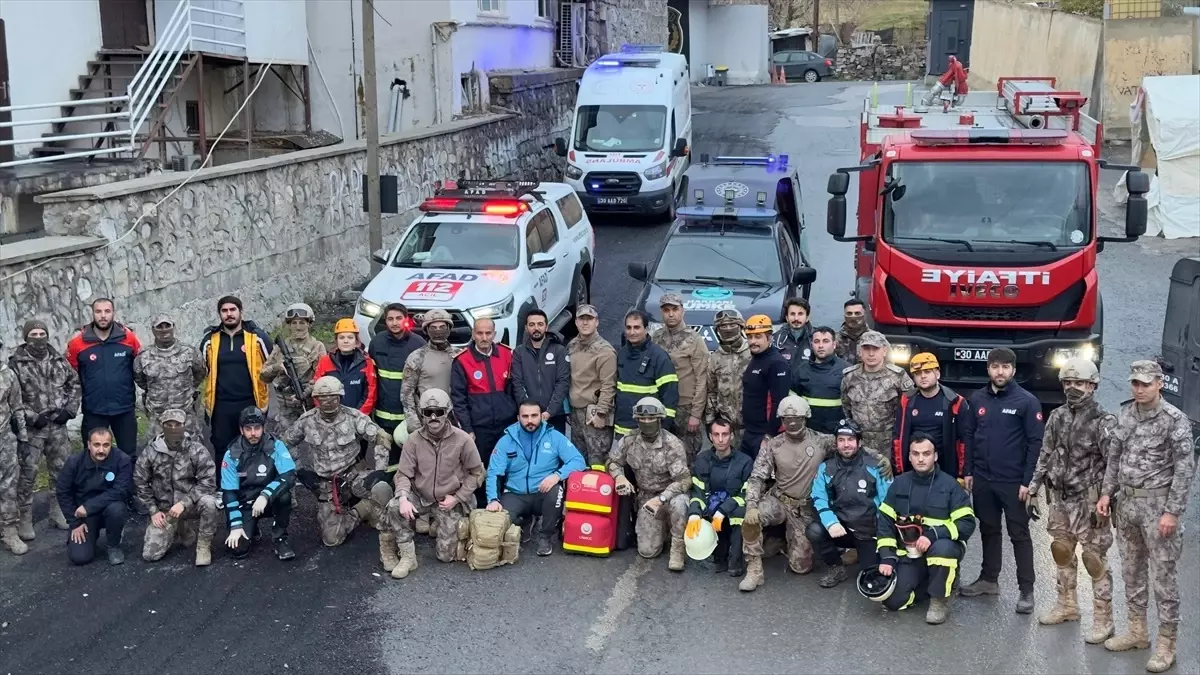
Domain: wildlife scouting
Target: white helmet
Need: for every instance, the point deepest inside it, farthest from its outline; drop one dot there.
(400, 434)
(703, 544)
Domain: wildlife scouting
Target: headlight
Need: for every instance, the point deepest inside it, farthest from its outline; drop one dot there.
(653, 326)
(497, 310)
(655, 172)
(1059, 357)
(574, 172)
(369, 309)
(899, 354)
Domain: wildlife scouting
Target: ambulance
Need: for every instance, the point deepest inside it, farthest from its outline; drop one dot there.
(631, 132)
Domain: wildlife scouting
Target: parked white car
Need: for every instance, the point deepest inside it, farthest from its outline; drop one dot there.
(488, 249)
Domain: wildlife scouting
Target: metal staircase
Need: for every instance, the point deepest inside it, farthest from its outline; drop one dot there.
(121, 105)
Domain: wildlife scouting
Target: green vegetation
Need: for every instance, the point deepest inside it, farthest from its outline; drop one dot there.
(876, 16)
(1092, 8)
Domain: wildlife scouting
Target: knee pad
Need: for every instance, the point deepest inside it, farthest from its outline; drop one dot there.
(815, 531)
(1095, 564)
(1062, 551)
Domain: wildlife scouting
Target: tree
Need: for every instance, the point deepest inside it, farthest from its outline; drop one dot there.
(1092, 8)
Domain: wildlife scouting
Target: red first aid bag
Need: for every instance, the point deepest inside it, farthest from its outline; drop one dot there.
(590, 527)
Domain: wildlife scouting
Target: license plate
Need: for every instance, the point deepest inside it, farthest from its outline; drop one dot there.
(963, 354)
(614, 201)
(1171, 384)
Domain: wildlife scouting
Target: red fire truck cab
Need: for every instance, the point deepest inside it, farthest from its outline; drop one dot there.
(977, 228)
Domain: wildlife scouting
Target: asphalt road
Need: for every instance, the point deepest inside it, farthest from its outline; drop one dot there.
(333, 610)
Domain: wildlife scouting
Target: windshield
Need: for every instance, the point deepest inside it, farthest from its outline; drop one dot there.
(988, 205)
(460, 245)
(621, 128)
(720, 256)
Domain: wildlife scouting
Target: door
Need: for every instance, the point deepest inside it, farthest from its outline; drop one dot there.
(952, 35)
(6, 133)
(562, 274)
(1181, 339)
(123, 24)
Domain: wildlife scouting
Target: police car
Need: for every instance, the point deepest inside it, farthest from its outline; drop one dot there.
(738, 242)
(492, 249)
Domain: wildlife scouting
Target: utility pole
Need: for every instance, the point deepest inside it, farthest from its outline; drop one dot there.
(816, 28)
(371, 103)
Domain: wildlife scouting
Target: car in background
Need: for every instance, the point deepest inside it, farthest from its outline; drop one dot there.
(802, 66)
(737, 242)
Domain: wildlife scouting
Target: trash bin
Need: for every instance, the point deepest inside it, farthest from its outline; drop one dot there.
(722, 75)
(710, 74)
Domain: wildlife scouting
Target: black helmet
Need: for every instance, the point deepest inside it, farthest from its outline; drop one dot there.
(848, 427)
(252, 417)
(874, 586)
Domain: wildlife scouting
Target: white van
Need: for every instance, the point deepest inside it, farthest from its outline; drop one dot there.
(631, 133)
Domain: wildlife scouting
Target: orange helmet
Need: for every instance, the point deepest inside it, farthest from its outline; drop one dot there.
(345, 326)
(923, 361)
(758, 324)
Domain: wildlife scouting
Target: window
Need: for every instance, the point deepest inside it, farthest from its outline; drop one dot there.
(620, 128)
(572, 210)
(545, 7)
(547, 229)
(748, 257)
(780, 58)
(489, 6)
(459, 245)
(533, 241)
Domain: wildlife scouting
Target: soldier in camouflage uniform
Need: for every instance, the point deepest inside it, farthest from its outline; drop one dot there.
(169, 374)
(12, 433)
(854, 326)
(871, 390)
(332, 432)
(1151, 465)
(305, 351)
(593, 387)
(659, 463)
(690, 355)
(726, 366)
(177, 480)
(1071, 466)
(50, 391)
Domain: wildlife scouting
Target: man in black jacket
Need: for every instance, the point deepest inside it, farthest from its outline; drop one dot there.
(819, 381)
(389, 350)
(719, 494)
(643, 369)
(1004, 438)
(92, 490)
(765, 384)
(541, 370)
(794, 340)
(934, 410)
(481, 390)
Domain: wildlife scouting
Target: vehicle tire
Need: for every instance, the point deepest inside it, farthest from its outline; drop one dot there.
(671, 206)
(811, 76)
(581, 292)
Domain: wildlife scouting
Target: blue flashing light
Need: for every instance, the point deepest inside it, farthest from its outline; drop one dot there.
(609, 63)
(771, 162)
(732, 212)
(641, 49)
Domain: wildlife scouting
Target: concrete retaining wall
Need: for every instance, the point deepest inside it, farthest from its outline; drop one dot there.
(1137, 48)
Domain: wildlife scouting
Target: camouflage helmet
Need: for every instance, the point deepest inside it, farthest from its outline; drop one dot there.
(729, 316)
(299, 310)
(1079, 369)
(794, 406)
(435, 398)
(328, 386)
(435, 315)
(649, 407)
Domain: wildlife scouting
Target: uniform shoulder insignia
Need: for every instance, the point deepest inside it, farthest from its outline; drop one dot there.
(894, 368)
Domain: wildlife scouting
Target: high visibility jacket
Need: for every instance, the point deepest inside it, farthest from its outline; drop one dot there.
(389, 355)
(644, 370)
(256, 345)
(953, 458)
(719, 484)
(941, 502)
(820, 383)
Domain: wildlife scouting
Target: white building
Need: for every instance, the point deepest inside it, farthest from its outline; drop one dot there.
(729, 33)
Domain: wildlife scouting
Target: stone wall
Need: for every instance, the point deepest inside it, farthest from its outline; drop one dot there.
(611, 23)
(881, 62)
(271, 231)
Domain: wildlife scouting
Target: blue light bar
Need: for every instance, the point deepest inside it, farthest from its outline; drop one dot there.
(608, 62)
(641, 49)
(735, 213)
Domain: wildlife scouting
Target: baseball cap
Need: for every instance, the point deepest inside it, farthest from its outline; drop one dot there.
(670, 299)
(160, 319)
(586, 310)
(1145, 371)
(873, 338)
(173, 415)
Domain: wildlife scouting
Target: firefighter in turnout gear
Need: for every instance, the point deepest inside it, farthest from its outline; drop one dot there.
(690, 357)
(659, 463)
(719, 479)
(305, 351)
(924, 523)
(1071, 466)
(643, 369)
(390, 350)
(726, 366)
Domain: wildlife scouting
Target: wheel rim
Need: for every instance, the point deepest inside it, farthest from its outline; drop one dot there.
(810, 76)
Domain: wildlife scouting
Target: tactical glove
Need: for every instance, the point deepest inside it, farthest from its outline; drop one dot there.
(1031, 508)
(693, 527)
(260, 505)
(234, 537)
(41, 421)
(624, 487)
(63, 416)
(751, 518)
(885, 466)
(751, 526)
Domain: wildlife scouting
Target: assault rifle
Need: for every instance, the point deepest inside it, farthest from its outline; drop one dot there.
(289, 369)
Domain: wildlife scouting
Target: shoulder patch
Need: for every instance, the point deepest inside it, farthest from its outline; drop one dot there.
(849, 369)
(894, 368)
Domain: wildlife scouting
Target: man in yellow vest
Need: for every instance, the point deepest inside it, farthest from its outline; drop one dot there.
(235, 351)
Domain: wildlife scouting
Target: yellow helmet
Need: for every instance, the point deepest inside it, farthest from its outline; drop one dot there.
(923, 361)
(345, 326)
(757, 324)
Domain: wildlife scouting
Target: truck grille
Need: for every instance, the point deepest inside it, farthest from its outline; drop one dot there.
(612, 183)
(959, 313)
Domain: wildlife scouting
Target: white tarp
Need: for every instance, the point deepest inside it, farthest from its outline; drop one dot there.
(1169, 106)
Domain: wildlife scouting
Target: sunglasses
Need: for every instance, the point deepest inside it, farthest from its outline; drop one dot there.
(433, 413)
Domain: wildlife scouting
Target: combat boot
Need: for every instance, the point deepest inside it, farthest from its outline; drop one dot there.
(1102, 622)
(12, 541)
(938, 608)
(1164, 651)
(56, 517)
(1066, 609)
(675, 564)
(979, 587)
(754, 574)
(835, 575)
(203, 552)
(25, 525)
(1135, 638)
(407, 561)
(387, 551)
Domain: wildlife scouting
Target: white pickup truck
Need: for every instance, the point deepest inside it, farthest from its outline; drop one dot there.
(492, 249)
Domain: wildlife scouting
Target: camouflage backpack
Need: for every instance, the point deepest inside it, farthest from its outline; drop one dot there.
(489, 539)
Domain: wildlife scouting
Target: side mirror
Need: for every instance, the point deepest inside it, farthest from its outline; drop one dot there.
(639, 271)
(378, 258)
(1137, 182)
(839, 183)
(680, 149)
(542, 261)
(1136, 210)
(560, 146)
(804, 276)
(835, 215)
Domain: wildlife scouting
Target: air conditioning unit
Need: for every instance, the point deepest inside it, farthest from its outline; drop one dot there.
(185, 162)
(571, 48)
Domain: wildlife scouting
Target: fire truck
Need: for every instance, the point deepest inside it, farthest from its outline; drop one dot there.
(978, 228)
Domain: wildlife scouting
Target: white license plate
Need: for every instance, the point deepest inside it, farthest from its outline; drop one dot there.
(602, 201)
(963, 354)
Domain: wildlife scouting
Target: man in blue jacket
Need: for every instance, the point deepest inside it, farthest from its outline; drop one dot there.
(535, 459)
(257, 475)
(1004, 438)
(92, 490)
